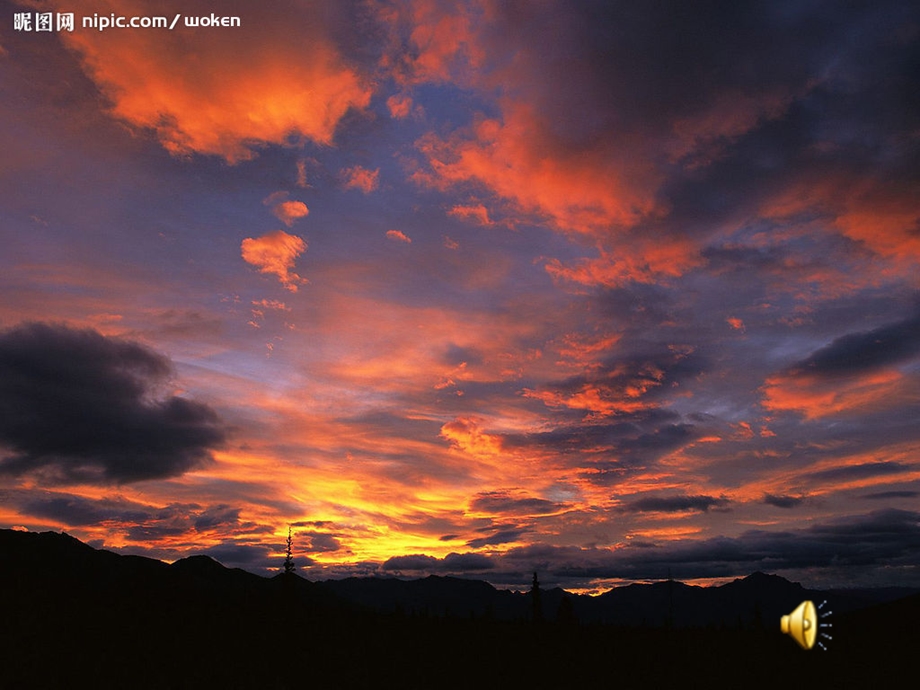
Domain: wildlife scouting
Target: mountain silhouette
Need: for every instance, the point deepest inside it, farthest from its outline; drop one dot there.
(78, 616)
(756, 600)
(30, 559)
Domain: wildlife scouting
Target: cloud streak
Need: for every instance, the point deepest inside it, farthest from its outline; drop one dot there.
(399, 236)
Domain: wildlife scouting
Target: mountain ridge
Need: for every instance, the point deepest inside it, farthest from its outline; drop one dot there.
(78, 616)
(755, 600)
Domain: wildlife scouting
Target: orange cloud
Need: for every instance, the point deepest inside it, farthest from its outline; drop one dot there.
(601, 183)
(604, 390)
(399, 236)
(289, 211)
(844, 472)
(221, 92)
(883, 215)
(735, 323)
(442, 41)
(275, 253)
(399, 105)
(597, 400)
(587, 192)
(477, 214)
(638, 258)
(521, 155)
(271, 304)
(583, 351)
(361, 178)
(466, 435)
(285, 210)
(817, 397)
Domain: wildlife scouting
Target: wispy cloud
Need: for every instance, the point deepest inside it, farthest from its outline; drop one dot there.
(399, 236)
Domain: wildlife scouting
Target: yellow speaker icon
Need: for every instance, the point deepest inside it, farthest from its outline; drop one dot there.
(802, 624)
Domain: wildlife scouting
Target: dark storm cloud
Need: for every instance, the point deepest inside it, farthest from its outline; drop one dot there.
(676, 504)
(609, 451)
(78, 511)
(860, 352)
(260, 558)
(217, 516)
(646, 430)
(410, 562)
(883, 537)
(318, 542)
(313, 523)
(879, 539)
(76, 406)
(500, 537)
(451, 563)
(504, 502)
(137, 521)
(782, 501)
(576, 436)
(883, 495)
(156, 530)
(460, 562)
(864, 471)
(886, 525)
(661, 440)
(701, 50)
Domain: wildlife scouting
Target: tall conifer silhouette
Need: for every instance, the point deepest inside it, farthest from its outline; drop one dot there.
(535, 600)
(289, 566)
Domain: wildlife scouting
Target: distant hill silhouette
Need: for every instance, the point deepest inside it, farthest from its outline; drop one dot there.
(756, 600)
(74, 615)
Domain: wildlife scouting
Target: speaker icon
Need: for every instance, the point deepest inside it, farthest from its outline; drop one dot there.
(802, 625)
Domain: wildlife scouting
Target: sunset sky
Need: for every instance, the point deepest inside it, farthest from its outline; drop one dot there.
(598, 289)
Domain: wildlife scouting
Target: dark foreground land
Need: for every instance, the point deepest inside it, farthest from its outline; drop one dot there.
(71, 616)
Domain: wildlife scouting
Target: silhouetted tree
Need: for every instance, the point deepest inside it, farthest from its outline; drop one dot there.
(289, 566)
(535, 600)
